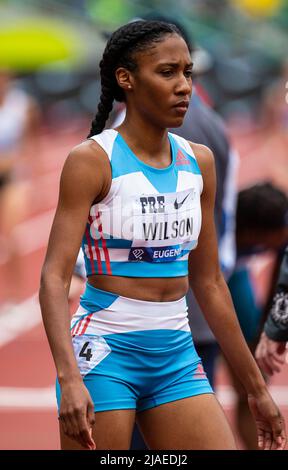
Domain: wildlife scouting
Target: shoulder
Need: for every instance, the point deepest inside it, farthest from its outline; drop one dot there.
(87, 164)
(205, 160)
(88, 155)
(203, 155)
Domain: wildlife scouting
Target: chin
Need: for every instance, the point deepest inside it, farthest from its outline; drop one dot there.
(176, 122)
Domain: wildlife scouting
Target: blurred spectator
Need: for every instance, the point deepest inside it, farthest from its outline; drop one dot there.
(275, 103)
(19, 119)
(261, 225)
(204, 126)
(270, 352)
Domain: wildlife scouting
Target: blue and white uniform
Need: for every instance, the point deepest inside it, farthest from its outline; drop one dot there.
(133, 353)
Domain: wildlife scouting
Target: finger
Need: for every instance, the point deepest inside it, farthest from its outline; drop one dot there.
(280, 443)
(76, 433)
(73, 430)
(279, 434)
(274, 445)
(266, 367)
(281, 347)
(86, 431)
(260, 439)
(260, 352)
(91, 414)
(278, 358)
(91, 420)
(68, 425)
(267, 440)
(62, 424)
(274, 365)
(78, 436)
(282, 446)
(86, 435)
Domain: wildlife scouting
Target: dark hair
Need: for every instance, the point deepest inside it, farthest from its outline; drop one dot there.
(119, 52)
(262, 206)
(186, 35)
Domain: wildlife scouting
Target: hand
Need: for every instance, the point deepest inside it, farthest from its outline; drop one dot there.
(270, 423)
(270, 354)
(77, 413)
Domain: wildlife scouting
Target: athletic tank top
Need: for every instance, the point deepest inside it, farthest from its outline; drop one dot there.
(151, 217)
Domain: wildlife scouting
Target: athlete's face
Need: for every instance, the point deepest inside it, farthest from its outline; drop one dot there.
(162, 83)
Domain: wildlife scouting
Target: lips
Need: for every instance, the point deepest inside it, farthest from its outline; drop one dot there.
(183, 105)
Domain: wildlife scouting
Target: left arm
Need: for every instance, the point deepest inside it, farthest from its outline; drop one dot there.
(213, 296)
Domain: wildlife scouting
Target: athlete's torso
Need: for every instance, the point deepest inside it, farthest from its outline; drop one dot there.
(138, 238)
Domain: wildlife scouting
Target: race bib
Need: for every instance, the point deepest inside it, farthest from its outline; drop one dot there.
(89, 350)
(165, 226)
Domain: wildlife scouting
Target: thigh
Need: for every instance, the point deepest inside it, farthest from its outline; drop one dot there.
(196, 422)
(112, 431)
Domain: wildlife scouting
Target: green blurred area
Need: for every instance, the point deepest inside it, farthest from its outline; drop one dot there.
(37, 32)
(110, 12)
(55, 46)
(29, 43)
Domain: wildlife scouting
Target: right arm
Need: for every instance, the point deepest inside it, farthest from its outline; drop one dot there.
(270, 352)
(85, 178)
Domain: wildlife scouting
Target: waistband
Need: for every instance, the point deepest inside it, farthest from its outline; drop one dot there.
(102, 313)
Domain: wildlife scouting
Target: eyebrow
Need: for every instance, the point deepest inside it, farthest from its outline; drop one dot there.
(174, 64)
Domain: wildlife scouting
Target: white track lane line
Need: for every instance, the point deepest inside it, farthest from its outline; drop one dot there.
(35, 232)
(27, 398)
(19, 319)
(15, 398)
(26, 316)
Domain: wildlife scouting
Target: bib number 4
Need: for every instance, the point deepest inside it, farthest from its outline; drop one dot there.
(89, 351)
(85, 352)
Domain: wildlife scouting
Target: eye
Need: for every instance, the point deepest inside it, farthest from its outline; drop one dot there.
(188, 73)
(167, 73)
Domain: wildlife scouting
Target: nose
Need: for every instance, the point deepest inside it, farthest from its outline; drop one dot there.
(184, 85)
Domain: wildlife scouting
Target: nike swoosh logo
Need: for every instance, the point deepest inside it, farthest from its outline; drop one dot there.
(177, 204)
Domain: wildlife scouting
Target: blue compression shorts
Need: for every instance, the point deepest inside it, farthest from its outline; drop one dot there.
(135, 354)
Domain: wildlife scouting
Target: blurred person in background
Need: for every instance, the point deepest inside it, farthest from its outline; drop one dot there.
(261, 226)
(204, 126)
(19, 129)
(274, 108)
(271, 349)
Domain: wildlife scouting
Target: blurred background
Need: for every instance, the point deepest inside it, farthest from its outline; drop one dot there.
(49, 89)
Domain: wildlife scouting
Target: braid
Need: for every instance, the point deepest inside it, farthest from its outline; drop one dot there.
(119, 52)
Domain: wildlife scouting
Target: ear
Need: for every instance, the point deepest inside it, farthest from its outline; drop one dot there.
(124, 78)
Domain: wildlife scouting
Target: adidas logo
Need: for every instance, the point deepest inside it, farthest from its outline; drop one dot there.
(181, 159)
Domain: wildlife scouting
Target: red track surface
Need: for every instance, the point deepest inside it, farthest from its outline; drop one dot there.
(25, 362)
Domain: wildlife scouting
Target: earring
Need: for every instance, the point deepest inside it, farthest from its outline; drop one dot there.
(129, 86)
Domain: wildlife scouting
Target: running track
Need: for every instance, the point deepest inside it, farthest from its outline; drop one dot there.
(27, 402)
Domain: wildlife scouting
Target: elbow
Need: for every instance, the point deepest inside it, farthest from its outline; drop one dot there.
(207, 283)
(50, 282)
(44, 283)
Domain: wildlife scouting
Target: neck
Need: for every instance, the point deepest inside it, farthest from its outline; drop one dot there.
(143, 135)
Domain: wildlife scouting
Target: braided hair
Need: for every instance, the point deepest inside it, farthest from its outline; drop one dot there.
(120, 52)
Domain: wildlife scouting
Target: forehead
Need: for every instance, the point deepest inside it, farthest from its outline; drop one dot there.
(172, 48)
